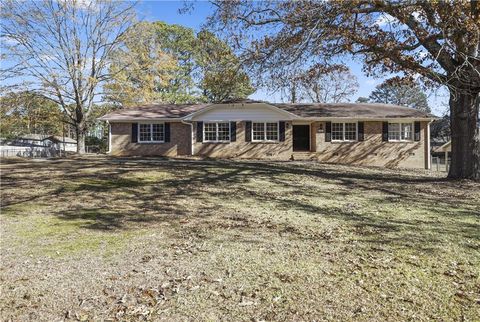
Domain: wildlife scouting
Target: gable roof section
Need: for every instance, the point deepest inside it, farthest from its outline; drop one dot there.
(293, 111)
(42, 137)
(352, 110)
(63, 139)
(33, 137)
(237, 108)
(153, 112)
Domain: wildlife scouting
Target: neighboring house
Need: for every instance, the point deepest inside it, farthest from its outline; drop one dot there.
(363, 134)
(442, 154)
(444, 149)
(42, 140)
(64, 143)
(436, 147)
(32, 140)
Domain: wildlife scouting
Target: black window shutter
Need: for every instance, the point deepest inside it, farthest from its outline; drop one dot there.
(199, 131)
(385, 131)
(417, 131)
(360, 131)
(281, 129)
(328, 131)
(167, 132)
(248, 131)
(134, 132)
(233, 131)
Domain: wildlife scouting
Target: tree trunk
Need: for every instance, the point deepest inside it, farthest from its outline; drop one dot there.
(293, 94)
(464, 110)
(80, 140)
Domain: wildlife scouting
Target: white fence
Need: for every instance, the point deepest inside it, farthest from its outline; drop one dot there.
(8, 151)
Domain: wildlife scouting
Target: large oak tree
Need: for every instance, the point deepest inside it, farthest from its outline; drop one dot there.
(61, 49)
(436, 40)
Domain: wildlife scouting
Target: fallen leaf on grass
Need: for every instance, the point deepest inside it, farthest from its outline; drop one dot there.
(246, 303)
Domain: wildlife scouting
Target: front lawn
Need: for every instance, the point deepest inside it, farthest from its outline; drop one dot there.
(130, 239)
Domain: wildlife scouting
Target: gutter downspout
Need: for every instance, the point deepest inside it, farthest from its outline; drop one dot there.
(109, 138)
(192, 152)
(429, 153)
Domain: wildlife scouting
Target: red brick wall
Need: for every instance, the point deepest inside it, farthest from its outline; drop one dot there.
(244, 150)
(373, 151)
(180, 142)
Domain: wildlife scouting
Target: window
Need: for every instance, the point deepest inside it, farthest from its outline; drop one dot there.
(350, 131)
(344, 131)
(407, 131)
(264, 131)
(144, 132)
(272, 132)
(400, 131)
(151, 132)
(223, 131)
(216, 132)
(157, 132)
(258, 131)
(337, 131)
(210, 132)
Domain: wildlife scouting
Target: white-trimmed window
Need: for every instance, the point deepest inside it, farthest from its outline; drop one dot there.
(264, 131)
(400, 131)
(344, 131)
(216, 132)
(151, 132)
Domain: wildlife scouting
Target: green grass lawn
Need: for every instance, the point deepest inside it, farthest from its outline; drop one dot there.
(153, 239)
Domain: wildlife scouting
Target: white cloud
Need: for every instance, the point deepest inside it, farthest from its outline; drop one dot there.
(81, 4)
(416, 76)
(385, 19)
(9, 41)
(418, 15)
(422, 54)
(47, 57)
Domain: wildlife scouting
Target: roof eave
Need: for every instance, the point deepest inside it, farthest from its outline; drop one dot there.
(359, 118)
(136, 119)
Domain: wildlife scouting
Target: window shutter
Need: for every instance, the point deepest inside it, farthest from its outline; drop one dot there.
(360, 131)
(134, 132)
(233, 131)
(385, 131)
(281, 129)
(328, 131)
(417, 131)
(199, 131)
(167, 132)
(248, 131)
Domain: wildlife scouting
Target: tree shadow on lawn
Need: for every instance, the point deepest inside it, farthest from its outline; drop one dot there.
(382, 230)
(104, 178)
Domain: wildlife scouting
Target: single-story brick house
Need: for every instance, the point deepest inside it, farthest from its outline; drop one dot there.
(363, 134)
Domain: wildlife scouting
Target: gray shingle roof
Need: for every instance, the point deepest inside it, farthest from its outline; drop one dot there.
(36, 137)
(302, 110)
(153, 111)
(41, 137)
(361, 110)
(63, 139)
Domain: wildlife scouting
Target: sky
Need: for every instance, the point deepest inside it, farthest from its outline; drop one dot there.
(168, 11)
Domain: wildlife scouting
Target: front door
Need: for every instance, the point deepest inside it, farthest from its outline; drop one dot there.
(301, 138)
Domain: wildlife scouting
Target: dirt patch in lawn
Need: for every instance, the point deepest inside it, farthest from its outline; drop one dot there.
(156, 239)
